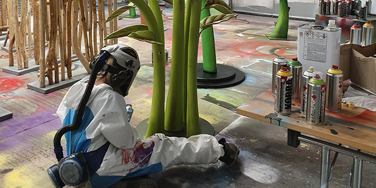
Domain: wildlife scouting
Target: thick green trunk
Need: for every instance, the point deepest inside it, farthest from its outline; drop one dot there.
(193, 126)
(207, 42)
(282, 26)
(156, 120)
(187, 21)
(174, 115)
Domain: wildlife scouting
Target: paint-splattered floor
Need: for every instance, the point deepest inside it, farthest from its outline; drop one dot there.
(26, 139)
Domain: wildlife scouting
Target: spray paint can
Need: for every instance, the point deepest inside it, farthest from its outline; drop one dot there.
(327, 7)
(129, 111)
(277, 64)
(296, 70)
(369, 5)
(335, 7)
(282, 98)
(367, 36)
(166, 57)
(315, 113)
(307, 75)
(334, 80)
(340, 12)
(356, 34)
(323, 7)
(321, 2)
(349, 7)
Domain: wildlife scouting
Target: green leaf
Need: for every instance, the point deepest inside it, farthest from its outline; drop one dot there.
(126, 31)
(146, 36)
(168, 1)
(209, 3)
(118, 12)
(216, 19)
(221, 8)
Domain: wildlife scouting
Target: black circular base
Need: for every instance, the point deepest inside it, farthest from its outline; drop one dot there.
(226, 76)
(206, 128)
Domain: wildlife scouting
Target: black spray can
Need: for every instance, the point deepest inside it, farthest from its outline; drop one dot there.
(335, 7)
(327, 7)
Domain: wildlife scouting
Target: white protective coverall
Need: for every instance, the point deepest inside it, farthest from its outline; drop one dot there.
(105, 120)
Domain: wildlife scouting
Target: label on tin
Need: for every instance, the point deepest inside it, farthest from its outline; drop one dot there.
(317, 97)
(283, 95)
(315, 46)
(288, 93)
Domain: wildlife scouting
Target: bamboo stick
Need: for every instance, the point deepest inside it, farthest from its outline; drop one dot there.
(111, 29)
(79, 54)
(42, 15)
(1, 18)
(86, 12)
(90, 28)
(84, 27)
(6, 39)
(115, 22)
(22, 34)
(95, 18)
(57, 34)
(79, 31)
(4, 27)
(100, 20)
(11, 58)
(1, 21)
(104, 24)
(4, 14)
(62, 34)
(10, 18)
(17, 31)
(36, 31)
(47, 20)
(51, 57)
(29, 34)
(69, 38)
(10, 21)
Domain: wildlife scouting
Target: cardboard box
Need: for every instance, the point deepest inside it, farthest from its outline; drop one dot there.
(359, 65)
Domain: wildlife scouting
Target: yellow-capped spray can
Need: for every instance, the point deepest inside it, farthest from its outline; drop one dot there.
(283, 86)
(367, 35)
(334, 81)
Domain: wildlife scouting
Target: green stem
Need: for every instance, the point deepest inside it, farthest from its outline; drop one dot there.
(175, 102)
(156, 120)
(207, 42)
(154, 6)
(185, 54)
(193, 126)
(282, 26)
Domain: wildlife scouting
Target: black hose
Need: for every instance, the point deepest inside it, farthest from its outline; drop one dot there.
(100, 61)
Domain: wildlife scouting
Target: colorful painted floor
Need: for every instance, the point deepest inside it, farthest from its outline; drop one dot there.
(26, 139)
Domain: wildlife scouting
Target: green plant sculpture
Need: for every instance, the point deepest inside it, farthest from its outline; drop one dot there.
(181, 105)
(282, 25)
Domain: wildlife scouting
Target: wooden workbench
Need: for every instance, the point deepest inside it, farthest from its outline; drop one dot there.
(352, 127)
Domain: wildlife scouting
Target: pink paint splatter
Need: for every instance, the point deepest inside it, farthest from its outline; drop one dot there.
(150, 91)
(51, 95)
